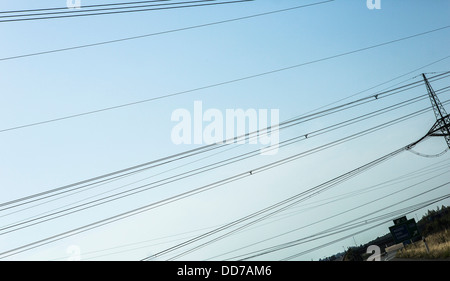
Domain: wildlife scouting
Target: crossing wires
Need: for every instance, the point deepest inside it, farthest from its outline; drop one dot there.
(207, 148)
(105, 9)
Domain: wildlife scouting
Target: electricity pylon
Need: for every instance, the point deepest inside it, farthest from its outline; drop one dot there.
(442, 126)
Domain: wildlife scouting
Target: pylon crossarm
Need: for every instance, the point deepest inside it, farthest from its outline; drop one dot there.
(438, 108)
(439, 127)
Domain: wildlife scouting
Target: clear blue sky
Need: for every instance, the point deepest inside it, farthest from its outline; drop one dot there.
(44, 87)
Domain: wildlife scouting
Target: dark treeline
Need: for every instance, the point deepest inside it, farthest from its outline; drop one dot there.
(433, 221)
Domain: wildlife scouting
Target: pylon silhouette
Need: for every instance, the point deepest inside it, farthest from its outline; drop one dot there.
(442, 126)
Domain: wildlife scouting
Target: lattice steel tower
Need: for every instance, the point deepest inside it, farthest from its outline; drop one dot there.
(442, 126)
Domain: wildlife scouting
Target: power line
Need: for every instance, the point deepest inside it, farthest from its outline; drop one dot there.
(84, 6)
(140, 242)
(157, 183)
(363, 217)
(189, 153)
(278, 207)
(411, 175)
(341, 213)
(130, 192)
(149, 186)
(95, 185)
(389, 183)
(428, 155)
(285, 204)
(391, 214)
(67, 10)
(206, 168)
(383, 83)
(283, 143)
(227, 180)
(225, 82)
(320, 203)
(341, 197)
(250, 223)
(161, 32)
(403, 211)
(82, 13)
(184, 175)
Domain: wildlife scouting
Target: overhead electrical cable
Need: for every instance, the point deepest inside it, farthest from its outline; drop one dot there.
(231, 232)
(136, 190)
(330, 200)
(273, 209)
(393, 214)
(81, 12)
(87, 9)
(84, 6)
(428, 155)
(343, 212)
(381, 84)
(161, 32)
(225, 82)
(410, 175)
(307, 207)
(172, 179)
(405, 177)
(338, 227)
(280, 206)
(389, 216)
(327, 218)
(183, 155)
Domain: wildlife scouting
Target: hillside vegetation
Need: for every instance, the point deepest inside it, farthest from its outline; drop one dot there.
(435, 228)
(438, 245)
